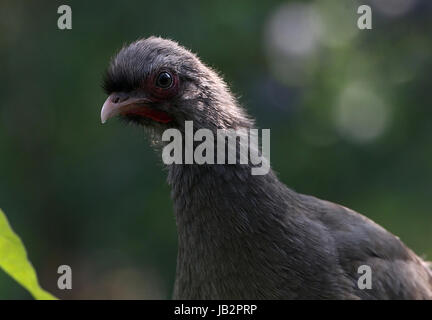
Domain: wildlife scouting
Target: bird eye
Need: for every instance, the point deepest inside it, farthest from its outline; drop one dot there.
(164, 80)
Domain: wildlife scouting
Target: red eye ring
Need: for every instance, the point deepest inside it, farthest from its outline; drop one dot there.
(166, 89)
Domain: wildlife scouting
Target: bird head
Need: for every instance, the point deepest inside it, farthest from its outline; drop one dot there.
(157, 83)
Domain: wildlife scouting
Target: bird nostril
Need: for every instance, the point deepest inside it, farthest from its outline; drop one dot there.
(119, 98)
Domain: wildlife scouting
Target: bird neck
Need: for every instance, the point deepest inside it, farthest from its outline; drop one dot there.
(223, 215)
(225, 194)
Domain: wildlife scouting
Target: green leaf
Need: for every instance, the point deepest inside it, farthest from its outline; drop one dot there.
(13, 260)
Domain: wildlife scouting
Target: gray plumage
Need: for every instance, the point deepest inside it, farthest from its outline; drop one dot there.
(250, 237)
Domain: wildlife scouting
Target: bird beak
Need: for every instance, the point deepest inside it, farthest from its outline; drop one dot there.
(125, 104)
(120, 103)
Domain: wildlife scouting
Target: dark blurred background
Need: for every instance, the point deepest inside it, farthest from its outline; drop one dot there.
(349, 109)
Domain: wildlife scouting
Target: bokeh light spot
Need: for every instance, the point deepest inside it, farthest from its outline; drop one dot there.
(361, 115)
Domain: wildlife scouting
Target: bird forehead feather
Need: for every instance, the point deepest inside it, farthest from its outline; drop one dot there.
(140, 58)
(153, 52)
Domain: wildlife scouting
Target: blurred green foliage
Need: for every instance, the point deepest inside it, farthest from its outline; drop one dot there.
(349, 111)
(13, 260)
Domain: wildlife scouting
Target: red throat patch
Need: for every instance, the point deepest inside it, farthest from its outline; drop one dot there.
(156, 115)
